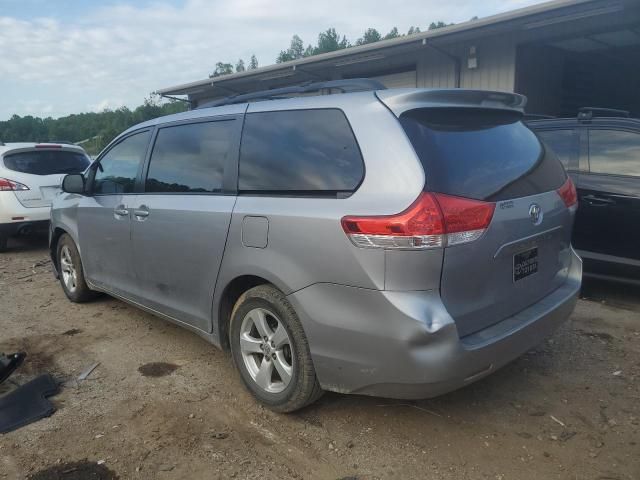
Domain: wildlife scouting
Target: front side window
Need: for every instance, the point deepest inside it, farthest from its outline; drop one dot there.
(118, 169)
(614, 152)
(564, 143)
(190, 158)
(299, 151)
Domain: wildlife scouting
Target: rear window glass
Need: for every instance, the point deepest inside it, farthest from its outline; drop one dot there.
(564, 143)
(481, 154)
(299, 151)
(47, 162)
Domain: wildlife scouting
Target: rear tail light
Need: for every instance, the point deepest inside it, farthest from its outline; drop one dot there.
(7, 185)
(433, 220)
(568, 193)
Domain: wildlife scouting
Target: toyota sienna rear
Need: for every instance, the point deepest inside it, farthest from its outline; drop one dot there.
(398, 243)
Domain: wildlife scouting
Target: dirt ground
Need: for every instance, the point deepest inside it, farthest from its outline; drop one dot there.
(165, 404)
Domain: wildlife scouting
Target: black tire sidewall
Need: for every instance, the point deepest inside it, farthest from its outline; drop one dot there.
(82, 292)
(248, 304)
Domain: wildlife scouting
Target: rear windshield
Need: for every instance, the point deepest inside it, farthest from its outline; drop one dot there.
(47, 162)
(481, 154)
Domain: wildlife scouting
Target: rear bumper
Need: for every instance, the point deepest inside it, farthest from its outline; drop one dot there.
(27, 226)
(406, 345)
(11, 208)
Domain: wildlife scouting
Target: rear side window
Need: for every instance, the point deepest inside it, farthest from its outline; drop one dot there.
(190, 158)
(47, 162)
(565, 145)
(614, 152)
(481, 154)
(299, 151)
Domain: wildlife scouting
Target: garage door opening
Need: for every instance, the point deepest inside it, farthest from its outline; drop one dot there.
(598, 70)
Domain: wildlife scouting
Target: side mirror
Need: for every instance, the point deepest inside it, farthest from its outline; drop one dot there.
(73, 183)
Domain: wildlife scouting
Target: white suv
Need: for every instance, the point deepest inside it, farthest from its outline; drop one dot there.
(30, 176)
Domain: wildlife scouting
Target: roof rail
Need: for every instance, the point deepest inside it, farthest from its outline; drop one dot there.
(587, 113)
(350, 85)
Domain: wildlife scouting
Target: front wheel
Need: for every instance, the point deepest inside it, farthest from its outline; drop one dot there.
(271, 351)
(71, 272)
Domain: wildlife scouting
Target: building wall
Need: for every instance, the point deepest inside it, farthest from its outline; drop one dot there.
(495, 55)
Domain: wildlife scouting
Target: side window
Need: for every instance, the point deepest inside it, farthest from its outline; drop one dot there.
(299, 151)
(190, 158)
(565, 145)
(614, 152)
(118, 169)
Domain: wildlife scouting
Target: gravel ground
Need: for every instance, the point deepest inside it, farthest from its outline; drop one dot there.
(165, 404)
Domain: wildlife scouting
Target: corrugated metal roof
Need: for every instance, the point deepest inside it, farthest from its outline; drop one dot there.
(282, 70)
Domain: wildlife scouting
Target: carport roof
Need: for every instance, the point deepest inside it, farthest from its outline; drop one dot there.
(238, 82)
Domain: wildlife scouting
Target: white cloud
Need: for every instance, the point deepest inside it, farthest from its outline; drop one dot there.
(117, 55)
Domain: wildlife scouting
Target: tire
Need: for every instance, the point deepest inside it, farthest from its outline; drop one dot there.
(3, 244)
(71, 272)
(287, 350)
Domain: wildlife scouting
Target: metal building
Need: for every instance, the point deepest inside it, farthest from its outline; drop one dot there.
(562, 54)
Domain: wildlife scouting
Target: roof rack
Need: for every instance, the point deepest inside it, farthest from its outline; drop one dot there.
(587, 113)
(350, 85)
(536, 116)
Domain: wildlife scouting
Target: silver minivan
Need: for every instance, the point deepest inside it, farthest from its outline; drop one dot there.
(398, 243)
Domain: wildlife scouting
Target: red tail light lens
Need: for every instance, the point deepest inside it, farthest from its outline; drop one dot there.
(433, 220)
(568, 193)
(7, 185)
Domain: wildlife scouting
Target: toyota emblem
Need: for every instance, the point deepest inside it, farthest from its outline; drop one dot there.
(535, 213)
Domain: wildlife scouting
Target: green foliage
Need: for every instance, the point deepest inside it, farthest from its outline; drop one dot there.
(371, 35)
(435, 25)
(413, 30)
(240, 66)
(98, 129)
(392, 34)
(222, 69)
(294, 52)
(253, 63)
(330, 41)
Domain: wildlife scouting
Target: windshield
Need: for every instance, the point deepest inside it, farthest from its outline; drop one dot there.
(47, 162)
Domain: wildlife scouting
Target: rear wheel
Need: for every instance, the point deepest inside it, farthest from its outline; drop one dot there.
(71, 272)
(271, 351)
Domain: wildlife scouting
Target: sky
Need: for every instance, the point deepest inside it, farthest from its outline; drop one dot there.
(59, 57)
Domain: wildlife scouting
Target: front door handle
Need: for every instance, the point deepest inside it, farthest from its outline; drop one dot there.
(598, 201)
(121, 211)
(141, 212)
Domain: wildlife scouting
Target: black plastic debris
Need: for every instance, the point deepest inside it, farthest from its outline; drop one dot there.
(27, 403)
(9, 363)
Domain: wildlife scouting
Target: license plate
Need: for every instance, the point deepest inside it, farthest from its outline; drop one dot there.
(525, 264)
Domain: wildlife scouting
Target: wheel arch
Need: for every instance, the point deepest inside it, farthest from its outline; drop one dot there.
(230, 295)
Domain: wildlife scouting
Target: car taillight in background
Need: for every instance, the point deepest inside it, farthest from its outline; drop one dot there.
(568, 193)
(7, 185)
(434, 220)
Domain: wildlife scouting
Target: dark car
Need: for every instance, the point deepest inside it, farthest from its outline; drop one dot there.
(600, 149)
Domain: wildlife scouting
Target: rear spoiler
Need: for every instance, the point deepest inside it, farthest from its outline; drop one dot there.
(401, 100)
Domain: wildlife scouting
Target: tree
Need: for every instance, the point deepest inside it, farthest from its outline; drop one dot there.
(294, 52)
(413, 30)
(392, 34)
(253, 63)
(240, 66)
(222, 69)
(330, 41)
(371, 35)
(439, 24)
